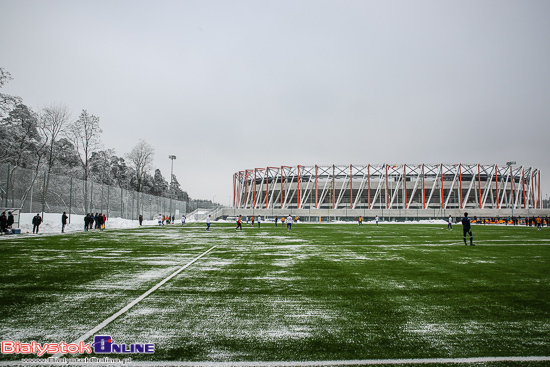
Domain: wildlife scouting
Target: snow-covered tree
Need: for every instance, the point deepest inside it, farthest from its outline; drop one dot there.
(7, 102)
(160, 186)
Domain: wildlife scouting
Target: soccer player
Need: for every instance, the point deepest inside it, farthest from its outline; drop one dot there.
(377, 220)
(466, 228)
(450, 225)
(36, 223)
(208, 223)
(259, 221)
(289, 223)
(64, 218)
(239, 223)
(360, 220)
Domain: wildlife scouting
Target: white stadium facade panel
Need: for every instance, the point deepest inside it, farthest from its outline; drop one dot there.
(388, 186)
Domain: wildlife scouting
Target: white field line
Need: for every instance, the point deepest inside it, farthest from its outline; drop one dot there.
(137, 300)
(364, 362)
(360, 362)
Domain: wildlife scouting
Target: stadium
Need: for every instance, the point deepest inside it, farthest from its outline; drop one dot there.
(396, 190)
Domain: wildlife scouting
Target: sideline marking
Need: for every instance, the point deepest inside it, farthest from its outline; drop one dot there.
(134, 302)
(364, 362)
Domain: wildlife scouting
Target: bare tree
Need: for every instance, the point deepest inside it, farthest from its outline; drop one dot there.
(54, 120)
(140, 159)
(84, 133)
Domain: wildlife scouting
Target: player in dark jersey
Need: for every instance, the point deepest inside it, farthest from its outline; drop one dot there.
(466, 228)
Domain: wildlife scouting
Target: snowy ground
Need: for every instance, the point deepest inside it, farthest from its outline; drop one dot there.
(52, 223)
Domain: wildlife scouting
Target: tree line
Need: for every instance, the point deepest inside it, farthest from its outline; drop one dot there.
(51, 140)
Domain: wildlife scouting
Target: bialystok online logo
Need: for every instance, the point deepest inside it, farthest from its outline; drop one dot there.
(103, 344)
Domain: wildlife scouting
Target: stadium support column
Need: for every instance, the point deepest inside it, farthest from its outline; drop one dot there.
(442, 190)
(460, 183)
(255, 170)
(387, 189)
(298, 195)
(368, 182)
(333, 192)
(281, 172)
(423, 189)
(496, 182)
(316, 205)
(533, 184)
(267, 188)
(512, 188)
(240, 189)
(523, 184)
(538, 189)
(351, 186)
(405, 186)
(245, 189)
(479, 184)
(535, 190)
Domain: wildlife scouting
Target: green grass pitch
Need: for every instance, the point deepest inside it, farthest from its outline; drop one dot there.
(317, 293)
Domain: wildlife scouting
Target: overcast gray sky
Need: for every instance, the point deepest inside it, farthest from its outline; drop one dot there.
(231, 85)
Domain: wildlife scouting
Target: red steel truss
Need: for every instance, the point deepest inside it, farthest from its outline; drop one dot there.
(386, 186)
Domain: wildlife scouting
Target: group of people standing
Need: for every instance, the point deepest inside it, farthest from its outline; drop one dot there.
(96, 221)
(360, 220)
(289, 220)
(6, 222)
(164, 219)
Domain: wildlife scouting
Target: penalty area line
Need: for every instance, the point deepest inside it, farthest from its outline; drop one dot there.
(137, 300)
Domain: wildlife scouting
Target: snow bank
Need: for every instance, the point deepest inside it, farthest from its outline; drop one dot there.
(52, 223)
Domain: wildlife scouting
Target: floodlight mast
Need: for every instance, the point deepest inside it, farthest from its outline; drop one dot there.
(171, 157)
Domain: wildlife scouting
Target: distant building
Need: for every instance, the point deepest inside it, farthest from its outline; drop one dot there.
(388, 186)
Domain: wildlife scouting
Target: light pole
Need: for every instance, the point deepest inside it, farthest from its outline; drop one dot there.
(172, 157)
